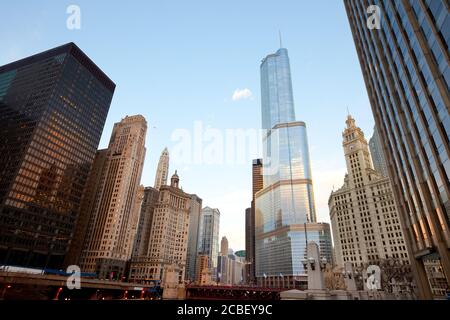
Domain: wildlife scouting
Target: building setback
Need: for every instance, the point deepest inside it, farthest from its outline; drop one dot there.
(168, 236)
(142, 239)
(53, 106)
(366, 226)
(406, 69)
(114, 214)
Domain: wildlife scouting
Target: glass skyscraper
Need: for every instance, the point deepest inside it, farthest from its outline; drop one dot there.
(53, 107)
(208, 235)
(285, 209)
(406, 69)
(376, 151)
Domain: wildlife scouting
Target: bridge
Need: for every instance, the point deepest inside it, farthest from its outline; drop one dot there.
(18, 286)
(194, 292)
(15, 285)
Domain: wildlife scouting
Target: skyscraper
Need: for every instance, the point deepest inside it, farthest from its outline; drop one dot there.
(224, 246)
(114, 215)
(366, 227)
(376, 150)
(257, 185)
(53, 106)
(195, 209)
(250, 244)
(208, 235)
(406, 69)
(142, 239)
(286, 203)
(168, 236)
(163, 169)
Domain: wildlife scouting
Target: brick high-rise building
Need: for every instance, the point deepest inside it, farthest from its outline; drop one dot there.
(257, 185)
(224, 246)
(114, 213)
(142, 239)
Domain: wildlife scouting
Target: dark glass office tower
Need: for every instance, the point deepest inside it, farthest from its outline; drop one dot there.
(53, 107)
(405, 64)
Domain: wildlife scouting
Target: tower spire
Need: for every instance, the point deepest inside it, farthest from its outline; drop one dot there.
(281, 42)
(163, 169)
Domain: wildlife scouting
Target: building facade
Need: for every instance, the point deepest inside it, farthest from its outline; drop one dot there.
(376, 151)
(114, 214)
(405, 64)
(285, 205)
(365, 221)
(163, 169)
(142, 239)
(257, 185)
(195, 210)
(230, 270)
(224, 246)
(168, 236)
(320, 233)
(208, 235)
(53, 106)
(203, 275)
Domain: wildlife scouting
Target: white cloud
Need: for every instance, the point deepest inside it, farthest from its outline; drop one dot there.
(241, 94)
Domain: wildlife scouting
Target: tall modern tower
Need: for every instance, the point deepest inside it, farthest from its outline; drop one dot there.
(114, 213)
(208, 235)
(376, 150)
(53, 107)
(285, 205)
(163, 169)
(257, 185)
(406, 68)
(195, 210)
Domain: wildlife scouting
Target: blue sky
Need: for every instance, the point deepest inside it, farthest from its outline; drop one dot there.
(177, 62)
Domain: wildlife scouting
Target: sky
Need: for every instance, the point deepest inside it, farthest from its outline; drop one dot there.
(191, 68)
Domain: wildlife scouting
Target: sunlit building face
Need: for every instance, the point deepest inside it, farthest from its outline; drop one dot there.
(285, 217)
(406, 69)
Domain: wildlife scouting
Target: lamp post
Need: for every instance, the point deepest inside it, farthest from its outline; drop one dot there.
(4, 291)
